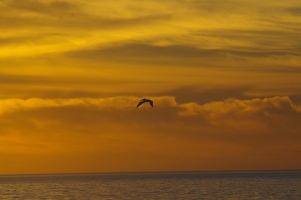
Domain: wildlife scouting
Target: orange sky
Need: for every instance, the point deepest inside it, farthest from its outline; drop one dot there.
(224, 77)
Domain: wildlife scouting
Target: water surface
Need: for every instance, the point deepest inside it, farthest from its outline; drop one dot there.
(173, 185)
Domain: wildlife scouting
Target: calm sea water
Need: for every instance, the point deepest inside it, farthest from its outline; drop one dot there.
(179, 185)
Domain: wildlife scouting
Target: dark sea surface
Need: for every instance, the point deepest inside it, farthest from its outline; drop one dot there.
(165, 185)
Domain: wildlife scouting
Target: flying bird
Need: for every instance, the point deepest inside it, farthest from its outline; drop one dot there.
(145, 100)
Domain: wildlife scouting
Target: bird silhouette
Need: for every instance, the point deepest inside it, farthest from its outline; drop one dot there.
(145, 100)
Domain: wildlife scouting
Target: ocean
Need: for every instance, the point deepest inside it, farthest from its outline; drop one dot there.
(163, 185)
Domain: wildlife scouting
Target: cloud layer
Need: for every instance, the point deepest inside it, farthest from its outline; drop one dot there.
(231, 134)
(244, 28)
(88, 49)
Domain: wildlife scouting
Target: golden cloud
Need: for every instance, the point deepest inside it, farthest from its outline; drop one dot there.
(112, 129)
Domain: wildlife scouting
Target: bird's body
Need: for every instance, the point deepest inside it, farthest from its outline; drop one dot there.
(145, 100)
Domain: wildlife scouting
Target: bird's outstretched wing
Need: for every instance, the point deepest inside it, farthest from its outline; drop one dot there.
(151, 103)
(141, 102)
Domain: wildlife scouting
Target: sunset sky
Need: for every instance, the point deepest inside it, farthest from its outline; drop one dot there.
(225, 78)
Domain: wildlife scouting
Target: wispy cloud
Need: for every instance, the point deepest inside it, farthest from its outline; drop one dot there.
(207, 24)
